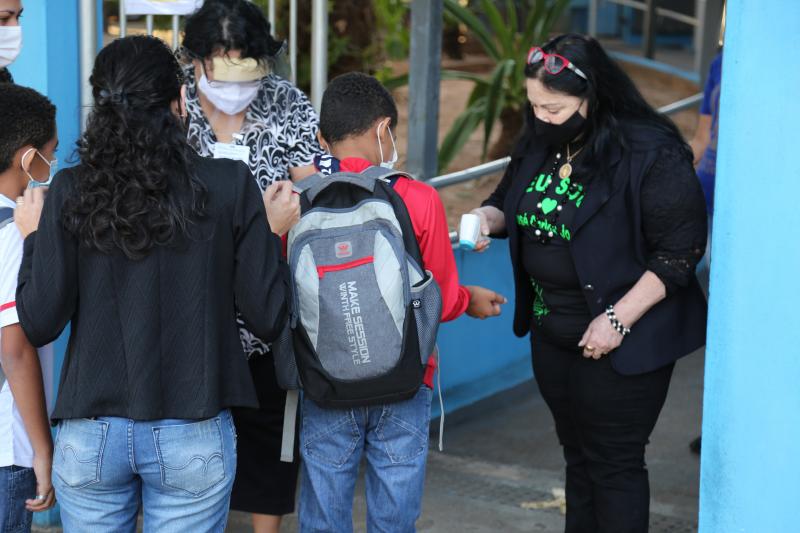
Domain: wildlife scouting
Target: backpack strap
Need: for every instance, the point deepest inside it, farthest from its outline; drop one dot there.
(401, 212)
(308, 182)
(289, 425)
(373, 173)
(6, 216)
(359, 180)
(383, 173)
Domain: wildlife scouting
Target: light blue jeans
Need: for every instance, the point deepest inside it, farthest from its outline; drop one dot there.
(394, 440)
(179, 471)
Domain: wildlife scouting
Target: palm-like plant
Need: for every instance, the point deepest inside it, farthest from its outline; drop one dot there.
(500, 96)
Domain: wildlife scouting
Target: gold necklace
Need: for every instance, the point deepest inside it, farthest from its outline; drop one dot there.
(566, 169)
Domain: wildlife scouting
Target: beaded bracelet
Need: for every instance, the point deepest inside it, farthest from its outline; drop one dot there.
(615, 323)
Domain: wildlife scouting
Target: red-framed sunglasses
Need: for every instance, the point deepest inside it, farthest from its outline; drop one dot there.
(553, 63)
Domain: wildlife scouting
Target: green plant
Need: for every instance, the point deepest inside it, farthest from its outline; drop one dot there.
(505, 37)
(391, 17)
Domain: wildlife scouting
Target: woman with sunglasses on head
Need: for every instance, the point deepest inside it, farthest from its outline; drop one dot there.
(606, 223)
(143, 248)
(239, 108)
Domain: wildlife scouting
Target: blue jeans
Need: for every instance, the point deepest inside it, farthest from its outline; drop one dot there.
(17, 484)
(179, 471)
(394, 439)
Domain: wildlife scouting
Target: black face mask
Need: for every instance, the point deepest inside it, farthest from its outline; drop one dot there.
(557, 135)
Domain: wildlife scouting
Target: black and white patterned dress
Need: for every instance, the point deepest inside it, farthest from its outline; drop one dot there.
(280, 129)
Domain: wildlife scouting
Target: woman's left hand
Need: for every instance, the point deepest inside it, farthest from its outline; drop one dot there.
(600, 338)
(29, 210)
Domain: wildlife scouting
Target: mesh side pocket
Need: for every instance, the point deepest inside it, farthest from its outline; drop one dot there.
(283, 356)
(426, 300)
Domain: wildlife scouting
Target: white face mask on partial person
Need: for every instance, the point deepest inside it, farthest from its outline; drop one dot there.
(387, 164)
(230, 97)
(10, 44)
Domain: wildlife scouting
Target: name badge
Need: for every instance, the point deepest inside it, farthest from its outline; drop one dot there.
(232, 151)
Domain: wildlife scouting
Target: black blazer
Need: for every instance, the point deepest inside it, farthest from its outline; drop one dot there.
(157, 338)
(608, 259)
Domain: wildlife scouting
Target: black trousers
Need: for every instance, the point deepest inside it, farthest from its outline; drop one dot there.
(603, 421)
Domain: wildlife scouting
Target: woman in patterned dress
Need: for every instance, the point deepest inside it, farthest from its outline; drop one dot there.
(238, 108)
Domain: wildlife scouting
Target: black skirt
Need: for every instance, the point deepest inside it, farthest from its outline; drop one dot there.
(263, 483)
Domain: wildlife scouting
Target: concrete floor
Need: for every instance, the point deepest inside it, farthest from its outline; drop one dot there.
(501, 470)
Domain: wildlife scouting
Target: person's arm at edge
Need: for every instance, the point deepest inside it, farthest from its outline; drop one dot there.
(23, 371)
(47, 283)
(261, 275)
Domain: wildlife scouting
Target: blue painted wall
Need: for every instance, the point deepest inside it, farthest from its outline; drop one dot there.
(49, 63)
(750, 466)
(482, 357)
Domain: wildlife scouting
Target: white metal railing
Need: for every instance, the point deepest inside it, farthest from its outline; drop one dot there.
(319, 57)
(469, 174)
(499, 165)
(660, 11)
(703, 22)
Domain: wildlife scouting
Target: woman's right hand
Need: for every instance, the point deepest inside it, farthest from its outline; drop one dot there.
(29, 210)
(483, 239)
(283, 207)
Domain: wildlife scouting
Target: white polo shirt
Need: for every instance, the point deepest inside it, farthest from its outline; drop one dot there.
(15, 448)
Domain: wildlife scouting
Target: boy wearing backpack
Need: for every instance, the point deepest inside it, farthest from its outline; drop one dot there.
(27, 145)
(390, 429)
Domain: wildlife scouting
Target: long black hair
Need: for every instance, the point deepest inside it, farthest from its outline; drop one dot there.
(230, 25)
(135, 187)
(612, 97)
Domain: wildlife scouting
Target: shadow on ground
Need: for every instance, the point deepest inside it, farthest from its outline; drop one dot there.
(501, 458)
(502, 470)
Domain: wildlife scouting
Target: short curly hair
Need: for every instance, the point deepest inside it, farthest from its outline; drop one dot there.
(351, 104)
(28, 119)
(230, 25)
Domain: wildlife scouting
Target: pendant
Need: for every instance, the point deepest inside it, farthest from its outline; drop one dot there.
(565, 171)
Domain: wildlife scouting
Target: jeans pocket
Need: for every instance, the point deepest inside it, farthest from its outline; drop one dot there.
(329, 436)
(191, 456)
(404, 427)
(79, 451)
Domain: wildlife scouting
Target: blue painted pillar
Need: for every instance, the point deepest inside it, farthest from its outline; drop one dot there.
(49, 63)
(750, 474)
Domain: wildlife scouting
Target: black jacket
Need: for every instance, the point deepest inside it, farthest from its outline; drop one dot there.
(613, 245)
(157, 338)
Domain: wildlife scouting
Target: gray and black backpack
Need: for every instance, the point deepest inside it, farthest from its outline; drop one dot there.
(364, 311)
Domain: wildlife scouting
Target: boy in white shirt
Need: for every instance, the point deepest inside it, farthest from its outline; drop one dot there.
(28, 141)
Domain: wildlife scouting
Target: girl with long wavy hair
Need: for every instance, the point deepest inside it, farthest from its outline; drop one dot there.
(147, 250)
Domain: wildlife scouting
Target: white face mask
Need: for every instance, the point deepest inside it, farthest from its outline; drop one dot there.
(10, 44)
(393, 160)
(53, 165)
(230, 97)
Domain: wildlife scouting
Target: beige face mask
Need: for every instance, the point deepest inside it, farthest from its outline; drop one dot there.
(238, 70)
